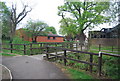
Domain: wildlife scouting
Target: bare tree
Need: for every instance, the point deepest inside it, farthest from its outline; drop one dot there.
(16, 18)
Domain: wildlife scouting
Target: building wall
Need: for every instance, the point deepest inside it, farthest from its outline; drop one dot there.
(45, 39)
(21, 34)
(105, 41)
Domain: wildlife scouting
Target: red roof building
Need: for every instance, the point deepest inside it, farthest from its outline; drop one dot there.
(40, 38)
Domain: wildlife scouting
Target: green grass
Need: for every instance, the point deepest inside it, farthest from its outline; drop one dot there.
(5, 54)
(110, 64)
(96, 51)
(75, 74)
(108, 48)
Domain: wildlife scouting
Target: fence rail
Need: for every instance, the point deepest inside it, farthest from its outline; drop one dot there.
(11, 47)
(111, 47)
(41, 46)
(90, 63)
(65, 47)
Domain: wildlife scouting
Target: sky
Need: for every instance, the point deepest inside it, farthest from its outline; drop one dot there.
(44, 10)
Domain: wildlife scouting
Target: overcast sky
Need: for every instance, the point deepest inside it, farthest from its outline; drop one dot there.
(44, 10)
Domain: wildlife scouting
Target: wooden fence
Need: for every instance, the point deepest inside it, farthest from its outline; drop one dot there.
(65, 47)
(11, 47)
(111, 48)
(90, 63)
(38, 46)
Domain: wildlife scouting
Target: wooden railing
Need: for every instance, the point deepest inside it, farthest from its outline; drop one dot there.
(39, 46)
(65, 47)
(100, 46)
(11, 47)
(55, 44)
(90, 63)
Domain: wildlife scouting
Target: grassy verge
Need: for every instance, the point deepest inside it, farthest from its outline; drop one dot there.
(104, 48)
(75, 74)
(5, 54)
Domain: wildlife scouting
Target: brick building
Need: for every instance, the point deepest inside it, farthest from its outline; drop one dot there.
(40, 38)
(106, 36)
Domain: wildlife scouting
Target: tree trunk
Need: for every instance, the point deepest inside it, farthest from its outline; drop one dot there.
(36, 39)
(12, 34)
(82, 38)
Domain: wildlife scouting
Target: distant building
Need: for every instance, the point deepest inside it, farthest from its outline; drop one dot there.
(106, 33)
(106, 36)
(40, 38)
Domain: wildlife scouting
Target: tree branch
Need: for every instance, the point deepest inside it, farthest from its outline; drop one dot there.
(22, 12)
(90, 22)
(25, 13)
(77, 10)
(90, 6)
(65, 20)
(72, 10)
(87, 26)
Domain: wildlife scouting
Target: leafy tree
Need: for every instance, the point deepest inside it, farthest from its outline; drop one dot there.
(68, 28)
(85, 14)
(50, 29)
(114, 12)
(5, 20)
(35, 28)
(14, 18)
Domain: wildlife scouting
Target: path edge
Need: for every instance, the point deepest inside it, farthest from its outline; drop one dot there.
(8, 71)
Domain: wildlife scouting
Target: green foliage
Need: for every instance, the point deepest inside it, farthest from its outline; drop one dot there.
(83, 15)
(35, 28)
(68, 30)
(18, 40)
(75, 74)
(5, 19)
(110, 66)
(114, 11)
(5, 54)
(50, 29)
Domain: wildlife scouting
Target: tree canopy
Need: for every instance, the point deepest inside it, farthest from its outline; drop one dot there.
(5, 20)
(84, 14)
(51, 29)
(114, 12)
(35, 28)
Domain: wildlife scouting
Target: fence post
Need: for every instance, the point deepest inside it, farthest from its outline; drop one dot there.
(55, 44)
(31, 49)
(71, 45)
(99, 64)
(67, 45)
(91, 60)
(112, 48)
(76, 46)
(81, 47)
(99, 47)
(47, 50)
(24, 49)
(11, 46)
(40, 45)
(64, 58)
